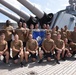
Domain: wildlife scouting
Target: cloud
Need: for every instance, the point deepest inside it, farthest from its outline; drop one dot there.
(48, 4)
(56, 5)
(37, 5)
(1, 20)
(64, 5)
(48, 10)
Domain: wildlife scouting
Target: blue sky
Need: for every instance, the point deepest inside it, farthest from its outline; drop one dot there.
(48, 6)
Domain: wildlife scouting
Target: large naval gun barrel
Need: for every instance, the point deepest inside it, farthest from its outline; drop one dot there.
(26, 16)
(32, 8)
(5, 12)
(28, 19)
(42, 16)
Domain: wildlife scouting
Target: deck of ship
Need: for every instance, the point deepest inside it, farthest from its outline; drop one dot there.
(67, 67)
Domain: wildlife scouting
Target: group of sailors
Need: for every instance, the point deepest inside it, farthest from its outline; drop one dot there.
(59, 43)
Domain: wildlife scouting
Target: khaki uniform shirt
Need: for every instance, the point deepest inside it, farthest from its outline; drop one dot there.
(26, 35)
(68, 34)
(53, 34)
(73, 46)
(63, 35)
(8, 32)
(67, 46)
(3, 45)
(59, 43)
(20, 31)
(17, 46)
(73, 36)
(48, 44)
(31, 44)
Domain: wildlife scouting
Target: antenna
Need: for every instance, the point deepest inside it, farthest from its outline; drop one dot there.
(72, 2)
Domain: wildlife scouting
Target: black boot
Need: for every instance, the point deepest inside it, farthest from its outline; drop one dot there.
(4, 59)
(21, 64)
(57, 61)
(40, 61)
(63, 59)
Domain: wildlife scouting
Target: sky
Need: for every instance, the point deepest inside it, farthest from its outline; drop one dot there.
(48, 6)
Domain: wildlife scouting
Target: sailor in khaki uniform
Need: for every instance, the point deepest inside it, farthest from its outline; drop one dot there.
(8, 30)
(59, 48)
(24, 25)
(53, 32)
(44, 26)
(21, 32)
(67, 32)
(37, 26)
(72, 46)
(31, 48)
(63, 34)
(4, 48)
(17, 49)
(67, 48)
(73, 35)
(47, 48)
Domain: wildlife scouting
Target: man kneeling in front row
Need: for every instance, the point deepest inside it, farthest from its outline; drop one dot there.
(17, 49)
(31, 48)
(48, 48)
(4, 48)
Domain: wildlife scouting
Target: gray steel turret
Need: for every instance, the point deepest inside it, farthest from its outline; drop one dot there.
(61, 18)
(66, 16)
(42, 16)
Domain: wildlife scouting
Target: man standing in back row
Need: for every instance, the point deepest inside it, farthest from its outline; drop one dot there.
(20, 31)
(73, 35)
(8, 30)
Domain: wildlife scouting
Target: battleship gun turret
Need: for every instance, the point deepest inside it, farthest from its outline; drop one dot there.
(42, 16)
(5, 12)
(25, 16)
(60, 18)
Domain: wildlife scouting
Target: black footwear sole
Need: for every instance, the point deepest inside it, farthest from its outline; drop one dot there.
(40, 61)
(57, 62)
(21, 65)
(4, 60)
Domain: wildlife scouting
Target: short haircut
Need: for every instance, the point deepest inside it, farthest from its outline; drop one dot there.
(1, 33)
